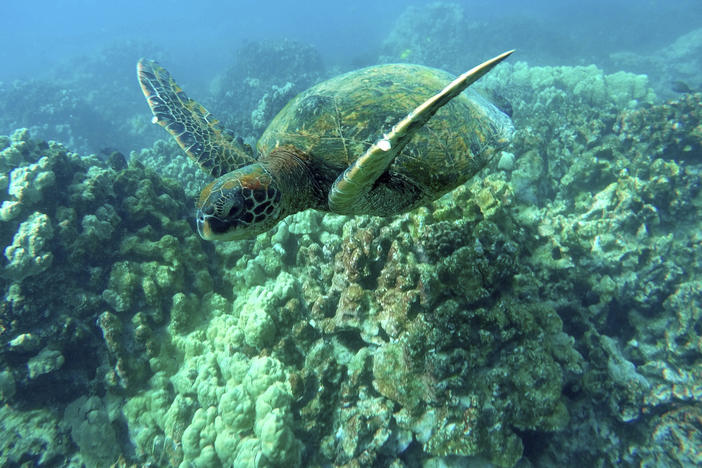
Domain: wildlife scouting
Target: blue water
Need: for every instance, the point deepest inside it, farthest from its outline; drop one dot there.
(38, 35)
(88, 48)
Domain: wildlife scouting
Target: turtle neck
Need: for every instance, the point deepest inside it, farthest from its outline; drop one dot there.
(290, 169)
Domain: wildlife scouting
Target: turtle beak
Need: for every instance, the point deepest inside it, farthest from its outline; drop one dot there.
(201, 228)
(212, 228)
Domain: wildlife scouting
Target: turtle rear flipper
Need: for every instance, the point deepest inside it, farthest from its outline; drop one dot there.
(358, 179)
(200, 135)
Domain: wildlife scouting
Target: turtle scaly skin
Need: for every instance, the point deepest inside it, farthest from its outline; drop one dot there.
(195, 129)
(376, 141)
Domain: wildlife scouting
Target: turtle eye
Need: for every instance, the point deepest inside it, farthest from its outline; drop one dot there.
(234, 210)
(238, 205)
(232, 205)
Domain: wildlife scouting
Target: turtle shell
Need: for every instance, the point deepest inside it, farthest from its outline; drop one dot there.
(336, 121)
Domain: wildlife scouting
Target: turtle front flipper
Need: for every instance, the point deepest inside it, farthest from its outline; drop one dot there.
(200, 135)
(358, 179)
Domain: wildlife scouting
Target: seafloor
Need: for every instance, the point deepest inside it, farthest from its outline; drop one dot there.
(546, 313)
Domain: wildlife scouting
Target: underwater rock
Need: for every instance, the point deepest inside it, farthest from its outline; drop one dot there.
(420, 315)
(674, 439)
(545, 313)
(116, 160)
(676, 63)
(525, 178)
(435, 20)
(681, 59)
(587, 88)
(367, 429)
(7, 386)
(265, 75)
(506, 162)
(35, 434)
(232, 396)
(74, 100)
(269, 105)
(278, 443)
(28, 255)
(615, 237)
(25, 342)
(26, 186)
(107, 247)
(669, 381)
(437, 33)
(672, 130)
(48, 360)
(92, 431)
(55, 111)
(167, 158)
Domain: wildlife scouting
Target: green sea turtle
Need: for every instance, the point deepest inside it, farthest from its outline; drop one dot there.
(359, 143)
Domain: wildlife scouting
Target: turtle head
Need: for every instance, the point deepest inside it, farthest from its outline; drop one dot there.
(239, 205)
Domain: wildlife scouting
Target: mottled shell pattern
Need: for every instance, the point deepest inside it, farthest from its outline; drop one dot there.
(337, 120)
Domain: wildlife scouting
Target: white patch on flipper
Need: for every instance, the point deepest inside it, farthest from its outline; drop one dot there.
(384, 145)
(154, 120)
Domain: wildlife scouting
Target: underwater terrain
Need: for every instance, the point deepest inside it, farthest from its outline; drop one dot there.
(547, 313)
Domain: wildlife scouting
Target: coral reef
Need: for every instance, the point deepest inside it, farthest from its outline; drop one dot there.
(33, 437)
(87, 245)
(436, 20)
(546, 313)
(51, 109)
(616, 251)
(453, 35)
(471, 328)
(78, 101)
(672, 68)
(168, 159)
(92, 431)
(264, 77)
